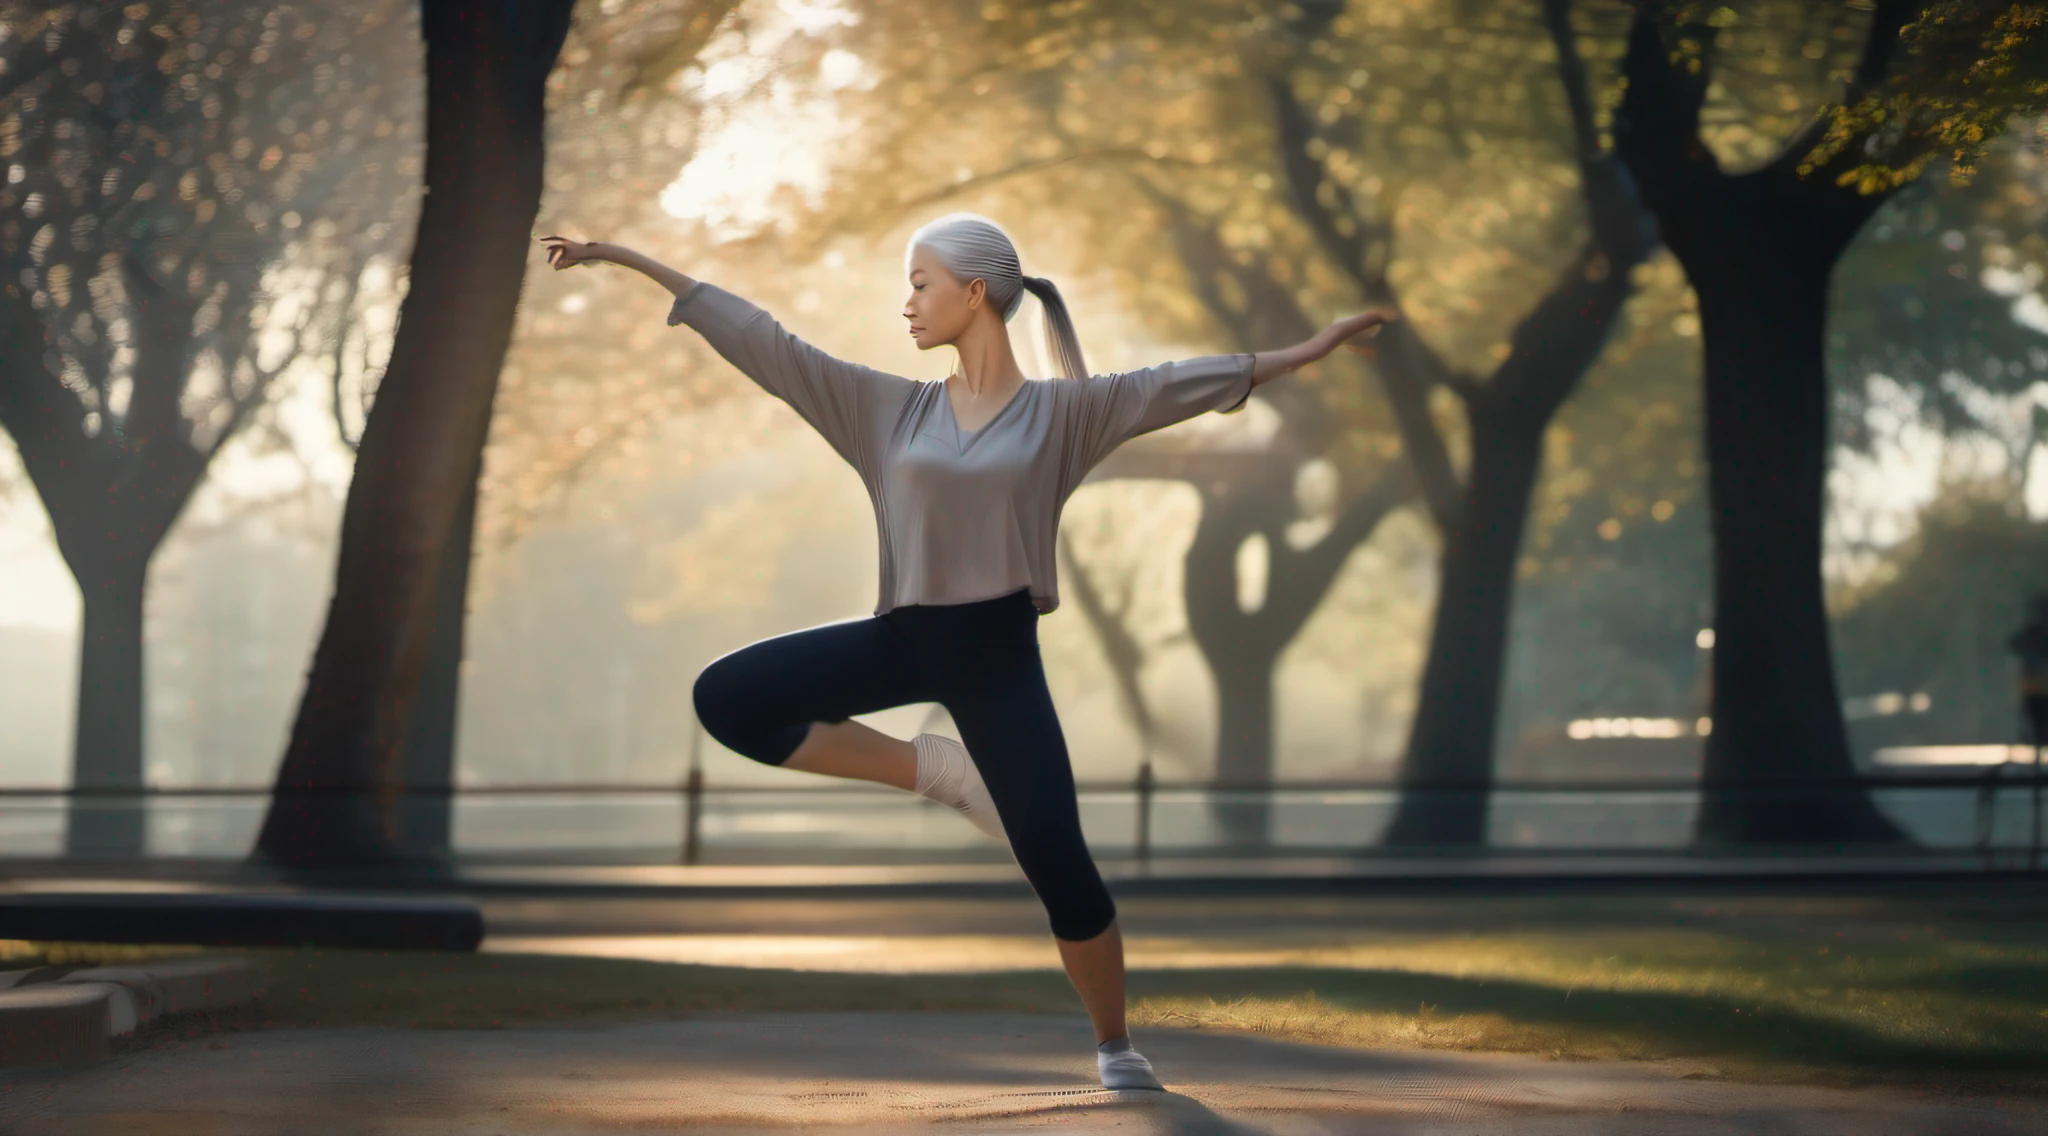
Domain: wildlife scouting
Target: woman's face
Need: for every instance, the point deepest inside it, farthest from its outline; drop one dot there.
(940, 307)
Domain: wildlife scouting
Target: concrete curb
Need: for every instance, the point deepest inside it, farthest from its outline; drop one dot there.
(241, 919)
(67, 1014)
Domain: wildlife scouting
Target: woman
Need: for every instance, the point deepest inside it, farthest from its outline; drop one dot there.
(967, 477)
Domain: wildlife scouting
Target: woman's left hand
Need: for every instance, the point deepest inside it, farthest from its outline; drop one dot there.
(1355, 331)
(1350, 331)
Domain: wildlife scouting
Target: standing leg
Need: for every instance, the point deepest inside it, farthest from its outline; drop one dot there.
(1006, 717)
(1096, 968)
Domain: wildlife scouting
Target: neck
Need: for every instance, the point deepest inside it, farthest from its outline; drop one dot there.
(987, 364)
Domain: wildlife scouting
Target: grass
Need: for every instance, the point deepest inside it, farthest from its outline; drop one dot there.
(1934, 1005)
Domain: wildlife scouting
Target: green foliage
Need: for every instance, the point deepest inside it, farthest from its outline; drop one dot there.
(1965, 70)
(1934, 297)
(1937, 617)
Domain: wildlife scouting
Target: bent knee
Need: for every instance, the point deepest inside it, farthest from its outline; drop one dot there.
(718, 699)
(1077, 902)
(1081, 917)
(734, 711)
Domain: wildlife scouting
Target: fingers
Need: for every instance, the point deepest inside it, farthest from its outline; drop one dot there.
(564, 252)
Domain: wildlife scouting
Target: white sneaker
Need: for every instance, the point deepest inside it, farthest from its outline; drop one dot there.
(947, 775)
(1127, 1070)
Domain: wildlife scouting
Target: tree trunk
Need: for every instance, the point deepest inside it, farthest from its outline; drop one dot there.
(426, 824)
(1240, 648)
(1243, 495)
(1449, 767)
(338, 787)
(110, 499)
(1759, 248)
(107, 748)
(1244, 741)
(1243, 647)
(1777, 710)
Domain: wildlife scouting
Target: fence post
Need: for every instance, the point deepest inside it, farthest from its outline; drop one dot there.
(693, 792)
(1987, 810)
(1145, 811)
(2034, 837)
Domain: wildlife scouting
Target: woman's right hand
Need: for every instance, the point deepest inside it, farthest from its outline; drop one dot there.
(565, 253)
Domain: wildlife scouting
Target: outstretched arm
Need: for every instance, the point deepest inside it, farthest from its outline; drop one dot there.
(849, 404)
(565, 253)
(1270, 365)
(1108, 410)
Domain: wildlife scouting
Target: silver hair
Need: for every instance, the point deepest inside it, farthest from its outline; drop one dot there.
(972, 247)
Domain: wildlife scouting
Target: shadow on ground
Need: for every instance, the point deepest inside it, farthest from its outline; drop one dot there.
(861, 1073)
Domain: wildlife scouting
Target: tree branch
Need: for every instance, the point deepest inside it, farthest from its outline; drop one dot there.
(36, 411)
(1559, 340)
(1307, 177)
(1656, 128)
(1406, 365)
(1272, 316)
(1873, 67)
(1461, 384)
(1571, 73)
(343, 320)
(1300, 580)
(1119, 646)
(1402, 375)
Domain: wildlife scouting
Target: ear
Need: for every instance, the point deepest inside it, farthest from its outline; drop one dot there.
(977, 290)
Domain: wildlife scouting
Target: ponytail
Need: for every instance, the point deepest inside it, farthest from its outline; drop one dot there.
(974, 247)
(1059, 328)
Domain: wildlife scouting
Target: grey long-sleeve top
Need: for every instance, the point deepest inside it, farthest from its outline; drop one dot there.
(962, 516)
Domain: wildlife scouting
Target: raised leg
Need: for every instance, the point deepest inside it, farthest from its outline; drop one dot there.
(788, 701)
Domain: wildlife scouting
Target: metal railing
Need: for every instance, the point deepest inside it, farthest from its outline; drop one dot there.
(1146, 791)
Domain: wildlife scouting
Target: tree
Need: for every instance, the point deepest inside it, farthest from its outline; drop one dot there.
(616, 69)
(186, 181)
(1759, 248)
(487, 67)
(1450, 753)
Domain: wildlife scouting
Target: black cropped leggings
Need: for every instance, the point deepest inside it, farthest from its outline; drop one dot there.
(980, 661)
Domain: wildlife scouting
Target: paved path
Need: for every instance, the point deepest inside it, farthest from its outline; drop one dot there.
(876, 1073)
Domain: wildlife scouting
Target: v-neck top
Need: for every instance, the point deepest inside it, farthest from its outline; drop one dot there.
(962, 516)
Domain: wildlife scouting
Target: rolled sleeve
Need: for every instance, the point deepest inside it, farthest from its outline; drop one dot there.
(1116, 408)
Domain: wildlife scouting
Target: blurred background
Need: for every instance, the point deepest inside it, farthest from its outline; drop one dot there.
(1243, 662)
